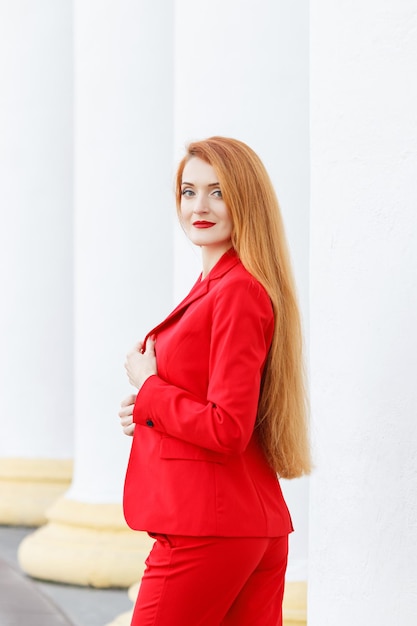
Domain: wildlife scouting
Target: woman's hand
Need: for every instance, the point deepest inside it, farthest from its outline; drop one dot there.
(126, 415)
(139, 366)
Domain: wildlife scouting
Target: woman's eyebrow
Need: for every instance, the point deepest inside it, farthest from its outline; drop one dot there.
(192, 184)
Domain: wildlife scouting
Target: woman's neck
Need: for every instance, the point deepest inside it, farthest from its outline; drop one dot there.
(211, 255)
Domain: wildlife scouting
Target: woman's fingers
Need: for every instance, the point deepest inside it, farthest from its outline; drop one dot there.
(128, 400)
(139, 365)
(126, 420)
(129, 430)
(126, 415)
(127, 410)
(150, 345)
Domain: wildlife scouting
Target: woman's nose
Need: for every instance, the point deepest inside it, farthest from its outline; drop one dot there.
(200, 205)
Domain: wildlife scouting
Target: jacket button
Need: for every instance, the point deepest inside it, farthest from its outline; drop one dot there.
(149, 423)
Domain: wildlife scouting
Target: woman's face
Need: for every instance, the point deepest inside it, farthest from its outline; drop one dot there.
(204, 214)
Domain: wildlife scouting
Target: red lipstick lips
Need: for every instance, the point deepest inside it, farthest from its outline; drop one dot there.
(203, 224)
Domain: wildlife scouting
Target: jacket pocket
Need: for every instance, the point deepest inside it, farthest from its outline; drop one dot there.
(171, 448)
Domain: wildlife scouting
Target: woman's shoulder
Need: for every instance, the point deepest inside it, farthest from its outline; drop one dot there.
(239, 283)
(240, 275)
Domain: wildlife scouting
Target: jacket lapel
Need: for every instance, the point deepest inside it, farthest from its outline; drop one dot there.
(201, 287)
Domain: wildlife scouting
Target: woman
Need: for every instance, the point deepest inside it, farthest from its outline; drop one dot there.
(220, 408)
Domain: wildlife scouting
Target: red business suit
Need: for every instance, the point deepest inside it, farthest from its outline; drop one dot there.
(196, 467)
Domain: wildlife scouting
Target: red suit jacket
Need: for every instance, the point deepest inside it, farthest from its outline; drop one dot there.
(196, 466)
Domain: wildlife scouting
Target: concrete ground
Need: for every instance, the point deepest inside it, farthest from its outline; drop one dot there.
(29, 602)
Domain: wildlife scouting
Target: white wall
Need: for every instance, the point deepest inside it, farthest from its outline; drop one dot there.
(363, 557)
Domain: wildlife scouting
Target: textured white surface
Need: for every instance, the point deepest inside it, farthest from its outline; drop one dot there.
(363, 548)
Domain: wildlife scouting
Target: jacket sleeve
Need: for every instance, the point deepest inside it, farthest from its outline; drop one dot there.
(241, 334)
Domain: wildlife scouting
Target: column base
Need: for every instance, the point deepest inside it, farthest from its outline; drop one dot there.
(125, 619)
(85, 544)
(294, 608)
(29, 486)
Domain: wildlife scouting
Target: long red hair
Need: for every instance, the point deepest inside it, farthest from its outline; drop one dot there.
(259, 239)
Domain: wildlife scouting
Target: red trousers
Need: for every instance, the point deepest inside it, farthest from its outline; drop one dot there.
(213, 581)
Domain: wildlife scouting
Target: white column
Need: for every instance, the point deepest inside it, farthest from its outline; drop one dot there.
(363, 557)
(124, 209)
(36, 363)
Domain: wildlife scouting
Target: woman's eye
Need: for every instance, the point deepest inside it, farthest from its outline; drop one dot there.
(217, 193)
(187, 192)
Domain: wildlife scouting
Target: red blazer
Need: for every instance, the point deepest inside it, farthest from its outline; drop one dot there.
(196, 466)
